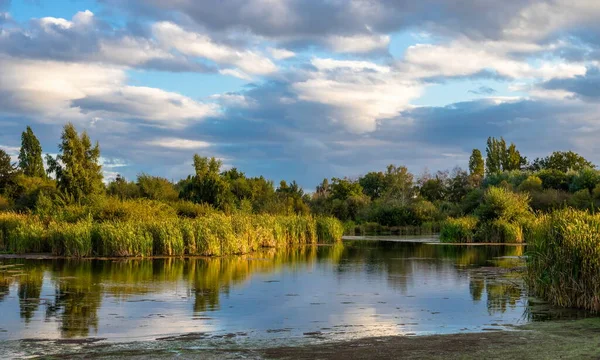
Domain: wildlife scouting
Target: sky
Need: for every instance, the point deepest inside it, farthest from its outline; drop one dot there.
(301, 90)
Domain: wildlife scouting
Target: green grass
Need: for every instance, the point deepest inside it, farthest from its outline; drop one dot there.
(459, 230)
(564, 258)
(215, 234)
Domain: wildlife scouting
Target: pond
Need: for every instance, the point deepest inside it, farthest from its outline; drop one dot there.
(310, 294)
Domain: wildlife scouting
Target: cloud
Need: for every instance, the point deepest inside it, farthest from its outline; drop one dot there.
(281, 54)
(358, 43)
(173, 36)
(586, 87)
(56, 92)
(483, 90)
(176, 143)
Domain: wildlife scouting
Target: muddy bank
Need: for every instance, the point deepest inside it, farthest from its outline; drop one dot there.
(578, 339)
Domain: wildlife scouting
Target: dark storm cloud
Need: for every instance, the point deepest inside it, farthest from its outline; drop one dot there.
(586, 87)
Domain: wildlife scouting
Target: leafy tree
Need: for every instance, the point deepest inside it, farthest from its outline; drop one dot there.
(495, 152)
(562, 161)
(123, 189)
(531, 184)
(30, 156)
(399, 185)
(207, 186)
(513, 159)
(156, 188)
(433, 189)
(77, 170)
(476, 164)
(342, 189)
(7, 171)
(373, 184)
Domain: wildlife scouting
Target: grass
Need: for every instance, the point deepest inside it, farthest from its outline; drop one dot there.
(459, 230)
(564, 258)
(214, 234)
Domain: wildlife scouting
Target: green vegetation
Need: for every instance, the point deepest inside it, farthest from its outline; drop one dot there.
(460, 230)
(564, 258)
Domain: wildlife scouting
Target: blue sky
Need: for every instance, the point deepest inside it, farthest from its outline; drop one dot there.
(300, 90)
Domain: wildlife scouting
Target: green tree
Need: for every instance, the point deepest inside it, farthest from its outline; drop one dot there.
(373, 184)
(342, 189)
(156, 188)
(207, 185)
(7, 171)
(30, 156)
(476, 164)
(399, 186)
(123, 189)
(562, 161)
(513, 159)
(78, 173)
(495, 153)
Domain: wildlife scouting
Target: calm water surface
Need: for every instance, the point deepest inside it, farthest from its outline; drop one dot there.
(358, 289)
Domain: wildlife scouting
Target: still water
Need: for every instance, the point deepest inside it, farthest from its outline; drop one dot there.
(319, 293)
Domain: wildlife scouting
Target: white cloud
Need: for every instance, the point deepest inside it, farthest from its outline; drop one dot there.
(358, 43)
(177, 143)
(59, 91)
(468, 58)
(359, 93)
(200, 45)
(281, 54)
(235, 73)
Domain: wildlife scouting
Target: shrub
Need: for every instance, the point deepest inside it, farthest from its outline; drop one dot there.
(191, 210)
(459, 229)
(531, 184)
(500, 203)
(564, 259)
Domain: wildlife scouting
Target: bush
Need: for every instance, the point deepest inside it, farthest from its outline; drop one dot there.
(191, 210)
(531, 184)
(564, 259)
(28, 236)
(459, 230)
(499, 203)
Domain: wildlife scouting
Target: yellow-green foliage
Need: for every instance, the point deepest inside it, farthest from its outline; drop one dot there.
(329, 230)
(28, 236)
(8, 222)
(499, 231)
(122, 239)
(458, 230)
(167, 237)
(213, 235)
(71, 239)
(564, 258)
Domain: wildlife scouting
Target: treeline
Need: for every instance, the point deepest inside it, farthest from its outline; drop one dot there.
(390, 198)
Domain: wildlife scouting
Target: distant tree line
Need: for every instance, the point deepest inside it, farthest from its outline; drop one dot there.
(393, 197)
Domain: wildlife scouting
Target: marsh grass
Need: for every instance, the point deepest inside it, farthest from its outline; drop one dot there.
(564, 258)
(212, 235)
(459, 230)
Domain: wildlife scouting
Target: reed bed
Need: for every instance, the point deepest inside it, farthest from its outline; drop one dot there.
(215, 234)
(564, 258)
(459, 230)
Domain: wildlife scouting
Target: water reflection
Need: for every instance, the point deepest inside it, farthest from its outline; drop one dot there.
(376, 287)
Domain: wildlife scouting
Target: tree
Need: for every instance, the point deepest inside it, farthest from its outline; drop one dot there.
(156, 188)
(30, 156)
(373, 184)
(562, 161)
(207, 185)
(7, 171)
(476, 164)
(495, 152)
(122, 188)
(342, 189)
(513, 159)
(398, 184)
(78, 173)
